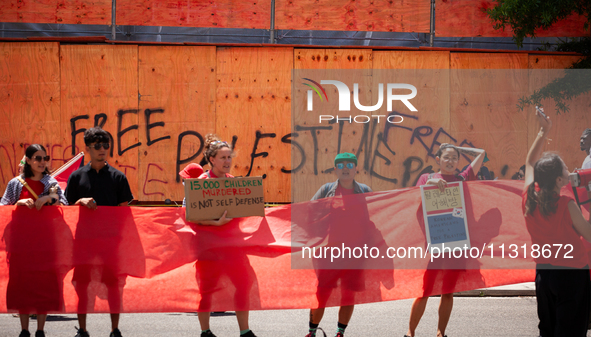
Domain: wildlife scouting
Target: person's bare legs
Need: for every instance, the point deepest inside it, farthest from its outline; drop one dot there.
(24, 321)
(416, 313)
(316, 315)
(82, 321)
(41, 318)
(345, 313)
(445, 306)
(242, 317)
(115, 321)
(204, 319)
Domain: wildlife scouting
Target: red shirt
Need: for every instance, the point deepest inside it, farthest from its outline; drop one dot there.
(35, 185)
(557, 229)
(343, 191)
(468, 175)
(209, 174)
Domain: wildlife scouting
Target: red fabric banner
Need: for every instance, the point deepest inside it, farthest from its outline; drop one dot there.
(138, 259)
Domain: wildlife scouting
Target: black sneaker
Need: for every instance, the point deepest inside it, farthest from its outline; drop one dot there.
(115, 333)
(81, 333)
(25, 333)
(39, 333)
(207, 333)
(248, 334)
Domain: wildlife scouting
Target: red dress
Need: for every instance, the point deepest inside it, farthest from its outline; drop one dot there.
(34, 284)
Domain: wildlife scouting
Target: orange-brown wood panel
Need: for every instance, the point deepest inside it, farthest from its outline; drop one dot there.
(195, 13)
(567, 127)
(99, 85)
(253, 103)
(177, 109)
(88, 12)
(374, 15)
(411, 140)
(466, 18)
(29, 103)
(485, 89)
(348, 66)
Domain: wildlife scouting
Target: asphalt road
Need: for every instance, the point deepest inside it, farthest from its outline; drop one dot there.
(472, 316)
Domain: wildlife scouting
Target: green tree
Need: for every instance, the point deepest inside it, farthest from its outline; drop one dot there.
(525, 17)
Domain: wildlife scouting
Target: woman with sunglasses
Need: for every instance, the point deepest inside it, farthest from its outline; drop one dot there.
(447, 157)
(212, 264)
(34, 193)
(555, 224)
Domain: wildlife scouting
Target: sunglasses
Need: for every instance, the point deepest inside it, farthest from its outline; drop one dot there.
(97, 146)
(350, 166)
(220, 142)
(40, 158)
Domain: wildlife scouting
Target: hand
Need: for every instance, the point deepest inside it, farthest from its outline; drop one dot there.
(88, 202)
(26, 202)
(42, 201)
(223, 220)
(442, 184)
(545, 122)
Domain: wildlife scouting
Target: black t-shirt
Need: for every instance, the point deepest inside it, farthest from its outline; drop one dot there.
(108, 186)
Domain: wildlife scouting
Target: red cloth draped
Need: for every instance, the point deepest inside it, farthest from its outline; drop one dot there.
(168, 265)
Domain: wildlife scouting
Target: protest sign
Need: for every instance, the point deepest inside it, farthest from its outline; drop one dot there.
(207, 199)
(445, 216)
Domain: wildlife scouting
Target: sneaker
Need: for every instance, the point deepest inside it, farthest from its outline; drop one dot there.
(81, 333)
(248, 334)
(39, 333)
(207, 333)
(339, 334)
(115, 333)
(25, 333)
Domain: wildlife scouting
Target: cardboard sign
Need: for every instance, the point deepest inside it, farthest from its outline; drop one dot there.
(207, 199)
(445, 216)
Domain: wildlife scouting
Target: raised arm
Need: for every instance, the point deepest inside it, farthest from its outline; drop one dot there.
(478, 153)
(536, 148)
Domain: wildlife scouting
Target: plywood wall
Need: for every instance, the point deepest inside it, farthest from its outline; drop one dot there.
(195, 13)
(467, 18)
(88, 12)
(375, 15)
(159, 102)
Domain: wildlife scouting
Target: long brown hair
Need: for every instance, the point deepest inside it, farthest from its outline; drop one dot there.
(546, 170)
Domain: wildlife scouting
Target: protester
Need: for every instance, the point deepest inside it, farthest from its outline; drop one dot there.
(32, 189)
(98, 184)
(519, 175)
(586, 147)
(211, 265)
(447, 157)
(562, 281)
(345, 168)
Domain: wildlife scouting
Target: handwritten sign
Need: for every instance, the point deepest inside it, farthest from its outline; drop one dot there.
(445, 216)
(207, 199)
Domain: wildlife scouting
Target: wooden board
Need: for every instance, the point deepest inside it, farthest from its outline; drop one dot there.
(195, 13)
(351, 15)
(98, 82)
(177, 87)
(347, 65)
(466, 18)
(567, 127)
(88, 12)
(485, 89)
(29, 103)
(413, 139)
(253, 103)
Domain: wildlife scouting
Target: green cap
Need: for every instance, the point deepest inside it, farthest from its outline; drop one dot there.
(345, 156)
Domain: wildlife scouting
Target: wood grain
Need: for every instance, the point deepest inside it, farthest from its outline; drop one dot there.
(195, 13)
(88, 12)
(351, 15)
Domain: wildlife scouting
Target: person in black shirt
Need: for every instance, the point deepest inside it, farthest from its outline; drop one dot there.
(98, 184)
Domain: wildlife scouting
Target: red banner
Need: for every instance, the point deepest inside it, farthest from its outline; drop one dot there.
(139, 259)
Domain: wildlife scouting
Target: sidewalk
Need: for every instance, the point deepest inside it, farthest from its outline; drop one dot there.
(519, 289)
